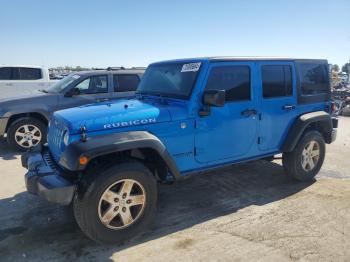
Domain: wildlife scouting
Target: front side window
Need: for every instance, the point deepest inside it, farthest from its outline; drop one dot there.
(62, 84)
(93, 85)
(125, 83)
(27, 73)
(276, 81)
(235, 80)
(170, 79)
(313, 78)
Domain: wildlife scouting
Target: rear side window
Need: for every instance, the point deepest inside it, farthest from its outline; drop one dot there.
(276, 81)
(5, 73)
(125, 83)
(235, 80)
(27, 73)
(313, 78)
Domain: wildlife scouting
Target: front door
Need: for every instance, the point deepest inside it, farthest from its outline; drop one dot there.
(228, 132)
(92, 89)
(277, 103)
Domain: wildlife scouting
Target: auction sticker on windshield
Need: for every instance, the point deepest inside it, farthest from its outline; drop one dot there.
(191, 67)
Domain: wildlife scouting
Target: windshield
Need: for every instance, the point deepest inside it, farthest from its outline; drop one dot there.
(62, 84)
(170, 80)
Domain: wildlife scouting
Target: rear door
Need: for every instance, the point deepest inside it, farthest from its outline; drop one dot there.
(277, 108)
(27, 79)
(125, 85)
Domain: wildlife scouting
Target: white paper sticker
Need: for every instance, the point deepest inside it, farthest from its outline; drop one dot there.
(191, 67)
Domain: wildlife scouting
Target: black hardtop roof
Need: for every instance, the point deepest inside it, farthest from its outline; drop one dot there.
(261, 58)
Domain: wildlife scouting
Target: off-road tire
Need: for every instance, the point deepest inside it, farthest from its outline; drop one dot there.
(292, 161)
(21, 122)
(86, 202)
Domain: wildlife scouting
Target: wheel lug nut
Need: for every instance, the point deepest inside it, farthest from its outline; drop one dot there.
(116, 200)
(124, 209)
(128, 201)
(124, 195)
(116, 208)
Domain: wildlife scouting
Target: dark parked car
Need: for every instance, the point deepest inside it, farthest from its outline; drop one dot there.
(24, 119)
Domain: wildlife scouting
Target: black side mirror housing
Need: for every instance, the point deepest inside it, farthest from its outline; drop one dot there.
(72, 92)
(214, 98)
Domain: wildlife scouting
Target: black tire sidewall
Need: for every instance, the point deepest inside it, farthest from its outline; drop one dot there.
(293, 163)
(25, 121)
(90, 222)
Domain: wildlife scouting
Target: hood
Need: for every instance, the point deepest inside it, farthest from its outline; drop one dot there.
(119, 114)
(32, 94)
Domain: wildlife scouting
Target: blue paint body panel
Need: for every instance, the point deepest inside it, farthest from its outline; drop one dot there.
(195, 143)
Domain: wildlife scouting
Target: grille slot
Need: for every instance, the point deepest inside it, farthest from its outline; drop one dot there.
(55, 139)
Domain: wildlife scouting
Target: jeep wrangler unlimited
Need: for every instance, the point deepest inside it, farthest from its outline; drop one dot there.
(189, 115)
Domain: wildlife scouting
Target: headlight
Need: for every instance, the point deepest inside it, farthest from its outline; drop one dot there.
(66, 138)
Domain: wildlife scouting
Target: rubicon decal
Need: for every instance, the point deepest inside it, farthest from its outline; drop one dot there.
(130, 123)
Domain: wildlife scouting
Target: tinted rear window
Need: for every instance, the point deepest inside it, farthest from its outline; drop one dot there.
(30, 73)
(5, 73)
(313, 78)
(276, 81)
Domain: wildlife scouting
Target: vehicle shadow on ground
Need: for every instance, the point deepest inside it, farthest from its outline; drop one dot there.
(6, 152)
(35, 229)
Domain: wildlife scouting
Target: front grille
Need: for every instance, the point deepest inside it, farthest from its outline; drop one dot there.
(55, 139)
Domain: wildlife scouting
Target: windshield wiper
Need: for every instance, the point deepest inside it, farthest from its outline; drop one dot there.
(43, 90)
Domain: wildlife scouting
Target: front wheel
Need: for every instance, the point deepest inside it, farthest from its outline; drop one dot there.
(306, 160)
(25, 133)
(118, 204)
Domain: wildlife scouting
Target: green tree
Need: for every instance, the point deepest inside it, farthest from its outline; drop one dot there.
(335, 68)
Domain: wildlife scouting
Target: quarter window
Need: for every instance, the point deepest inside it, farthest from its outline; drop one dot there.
(125, 83)
(235, 80)
(276, 81)
(313, 78)
(27, 73)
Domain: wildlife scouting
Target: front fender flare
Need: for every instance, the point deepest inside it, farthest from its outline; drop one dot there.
(111, 143)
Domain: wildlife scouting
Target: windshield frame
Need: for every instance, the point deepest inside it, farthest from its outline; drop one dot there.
(172, 95)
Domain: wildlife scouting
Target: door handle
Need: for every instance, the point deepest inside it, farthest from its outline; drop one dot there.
(288, 107)
(249, 112)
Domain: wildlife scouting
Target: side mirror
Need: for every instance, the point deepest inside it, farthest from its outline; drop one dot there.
(214, 98)
(72, 92)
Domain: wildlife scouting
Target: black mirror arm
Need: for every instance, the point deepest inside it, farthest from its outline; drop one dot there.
(205, 111)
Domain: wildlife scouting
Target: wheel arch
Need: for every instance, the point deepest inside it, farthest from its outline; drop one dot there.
(13, 118)
(320, 121)
(114, 148)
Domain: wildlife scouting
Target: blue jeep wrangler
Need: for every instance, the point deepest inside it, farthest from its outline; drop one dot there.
(189, 116)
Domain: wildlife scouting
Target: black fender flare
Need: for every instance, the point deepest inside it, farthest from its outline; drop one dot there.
(105, 144)
(323, 120)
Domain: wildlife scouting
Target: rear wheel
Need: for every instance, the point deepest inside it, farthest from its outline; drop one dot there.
(118, 204)
(25, 133)
(306, 160)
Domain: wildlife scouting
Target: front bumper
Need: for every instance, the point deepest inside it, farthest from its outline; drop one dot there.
(45, 179)
(3, 124)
